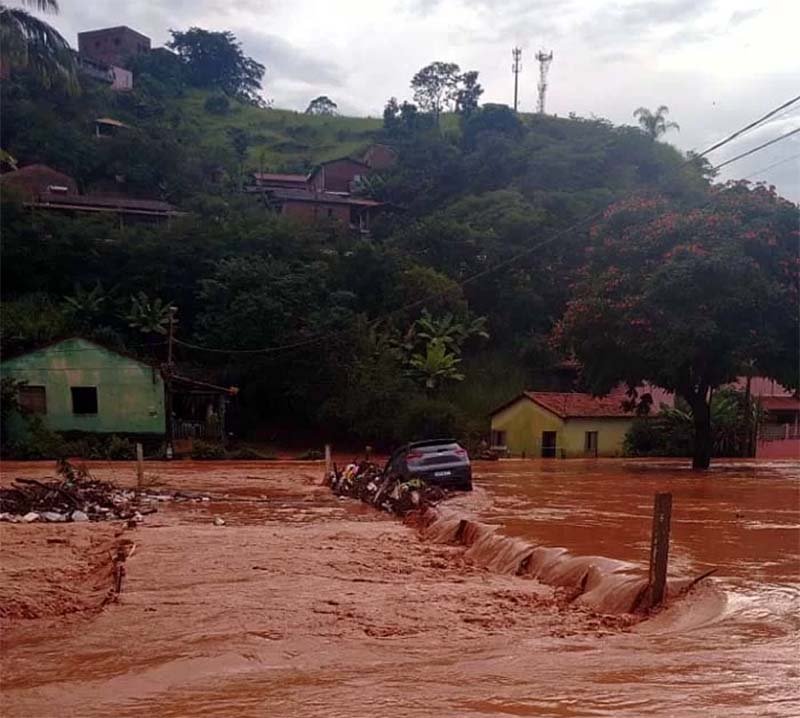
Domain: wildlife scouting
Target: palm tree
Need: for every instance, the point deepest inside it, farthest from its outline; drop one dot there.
(655, 123)
(30, 43)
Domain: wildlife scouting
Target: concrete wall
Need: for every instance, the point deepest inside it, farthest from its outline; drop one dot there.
(130, 394)
(524, 421)
(112, 45)
(337, 176)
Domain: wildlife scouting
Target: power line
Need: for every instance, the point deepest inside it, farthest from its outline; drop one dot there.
(774, 164)
(501, 265)
(749, 127)
(760, 147)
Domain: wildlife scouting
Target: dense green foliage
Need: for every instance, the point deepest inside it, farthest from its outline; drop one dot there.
(670, 432)
(689, 296)
(378, 339)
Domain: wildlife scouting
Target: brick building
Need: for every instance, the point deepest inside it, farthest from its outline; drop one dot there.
(327, 192)
(112, 45)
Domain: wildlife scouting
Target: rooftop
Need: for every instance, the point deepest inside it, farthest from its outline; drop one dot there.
(575, 405)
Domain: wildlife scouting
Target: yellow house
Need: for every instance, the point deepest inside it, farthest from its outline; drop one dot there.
(561, 424)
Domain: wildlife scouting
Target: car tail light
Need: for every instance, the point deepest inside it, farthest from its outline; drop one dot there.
(461, 452)
(414, 455)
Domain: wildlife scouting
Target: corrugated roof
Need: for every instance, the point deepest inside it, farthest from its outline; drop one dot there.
(274, 177)
(304, 195)
(123, 204)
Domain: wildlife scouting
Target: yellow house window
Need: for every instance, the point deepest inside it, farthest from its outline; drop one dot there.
(590, 443)
(498, 438)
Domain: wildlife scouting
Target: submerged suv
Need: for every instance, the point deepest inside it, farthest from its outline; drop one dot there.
(440, 462)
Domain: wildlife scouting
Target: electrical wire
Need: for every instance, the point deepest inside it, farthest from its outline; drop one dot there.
(759, 148)
(753, 175)
(749, 127)
(511, 260)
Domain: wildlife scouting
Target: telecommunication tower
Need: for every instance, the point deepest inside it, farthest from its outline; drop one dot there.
(516, 68)
(544, 58)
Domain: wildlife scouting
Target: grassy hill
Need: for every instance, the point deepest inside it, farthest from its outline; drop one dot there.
(280, 140)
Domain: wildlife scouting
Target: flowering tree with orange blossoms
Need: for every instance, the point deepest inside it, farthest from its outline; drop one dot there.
(688, 298)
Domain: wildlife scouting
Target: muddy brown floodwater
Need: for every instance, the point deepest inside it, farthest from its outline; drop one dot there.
(307, 605)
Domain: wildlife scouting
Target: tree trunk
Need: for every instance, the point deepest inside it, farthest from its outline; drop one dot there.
(701, 414)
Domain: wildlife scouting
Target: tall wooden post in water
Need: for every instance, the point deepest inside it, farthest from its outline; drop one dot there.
(659, 549)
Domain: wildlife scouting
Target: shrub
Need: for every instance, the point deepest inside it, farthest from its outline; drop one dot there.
(206, 450)
(120, 449)
(245, 453)
(311, 455)
(217, 105)
(39, 442)
(425, 418)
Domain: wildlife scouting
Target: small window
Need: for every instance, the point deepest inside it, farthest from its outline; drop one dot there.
(330, 212)
(97, 43)
(590, 443)
(32, 399)
(84, 399)
(116, 41)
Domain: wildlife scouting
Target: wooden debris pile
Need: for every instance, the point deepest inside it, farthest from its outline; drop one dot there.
(366, 481)
(74, 496)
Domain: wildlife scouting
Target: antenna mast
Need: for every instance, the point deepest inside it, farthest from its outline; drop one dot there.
(544, 58)
(516, 68)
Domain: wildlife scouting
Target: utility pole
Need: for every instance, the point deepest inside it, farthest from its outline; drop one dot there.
(168, 381)
(516, 68)
(544, 58)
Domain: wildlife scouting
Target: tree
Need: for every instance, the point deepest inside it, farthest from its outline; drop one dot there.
(655, 123)
(322, 105)
(435, 86)
(435, 365)
(468, 93)
(26, 42)
(149, 316)
(687, 297)
(215, 60)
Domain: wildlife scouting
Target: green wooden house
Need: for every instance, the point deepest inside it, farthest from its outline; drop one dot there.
(78, 385)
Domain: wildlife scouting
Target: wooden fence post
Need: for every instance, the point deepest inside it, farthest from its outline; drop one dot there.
(328, 465)
(659, 549)
(139, 467)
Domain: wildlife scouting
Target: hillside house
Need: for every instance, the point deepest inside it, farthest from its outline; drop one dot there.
(327, 192)
(112, 45)
(45, 189)
(561, 424)
(78, 385)
(779, 429)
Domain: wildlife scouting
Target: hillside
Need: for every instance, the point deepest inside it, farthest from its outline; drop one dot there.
(452, 304)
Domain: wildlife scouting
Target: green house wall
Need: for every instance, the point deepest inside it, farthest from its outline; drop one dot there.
(130, 394)
(524, 421)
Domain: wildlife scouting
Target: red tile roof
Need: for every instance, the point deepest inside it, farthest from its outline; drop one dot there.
(574, 405)
(780, 403)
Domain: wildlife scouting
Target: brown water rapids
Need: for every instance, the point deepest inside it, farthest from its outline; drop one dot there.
(510, 601)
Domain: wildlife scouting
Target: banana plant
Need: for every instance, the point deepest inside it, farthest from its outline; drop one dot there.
(436, 366)
(149, 316)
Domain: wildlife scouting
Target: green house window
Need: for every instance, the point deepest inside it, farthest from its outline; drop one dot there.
(32, 399)
(84, 399)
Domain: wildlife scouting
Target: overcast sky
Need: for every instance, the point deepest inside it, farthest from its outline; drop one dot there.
(717, 64)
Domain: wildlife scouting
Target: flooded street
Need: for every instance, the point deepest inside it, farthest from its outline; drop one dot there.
(307, 605)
